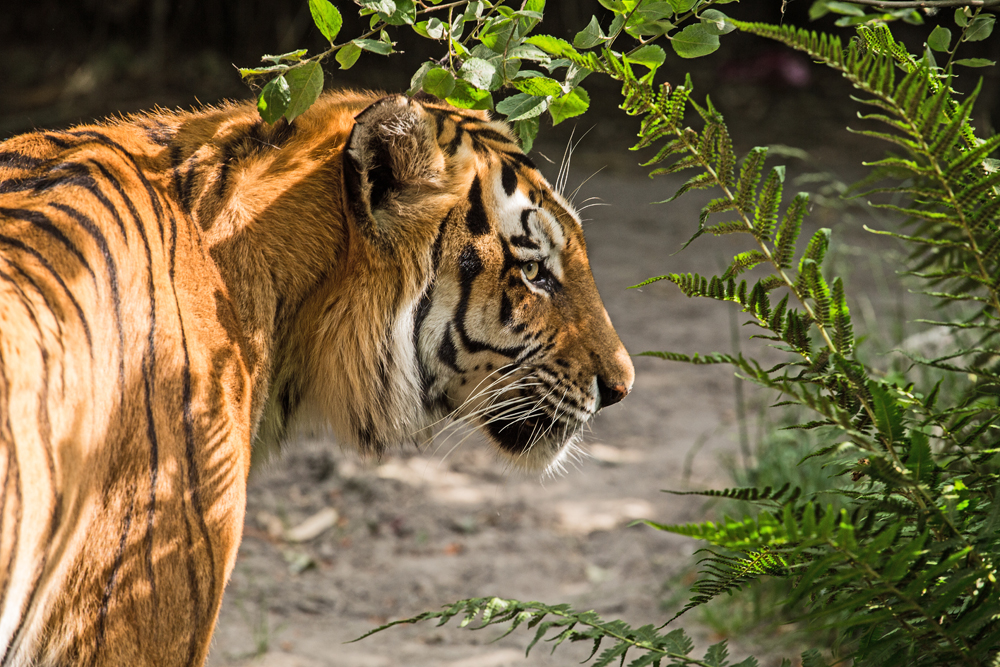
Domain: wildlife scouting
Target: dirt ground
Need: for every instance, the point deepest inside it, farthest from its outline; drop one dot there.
(420, 529)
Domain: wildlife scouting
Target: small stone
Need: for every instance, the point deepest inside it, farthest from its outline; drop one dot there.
(314, 526)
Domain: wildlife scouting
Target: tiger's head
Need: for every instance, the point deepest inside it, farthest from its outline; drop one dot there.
(488, 311)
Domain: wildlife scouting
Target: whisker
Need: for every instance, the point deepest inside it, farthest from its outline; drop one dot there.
(575, 192)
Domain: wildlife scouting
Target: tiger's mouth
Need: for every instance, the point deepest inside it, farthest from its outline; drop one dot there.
(534, 437)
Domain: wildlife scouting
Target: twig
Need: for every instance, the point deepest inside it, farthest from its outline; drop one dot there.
(924, 4)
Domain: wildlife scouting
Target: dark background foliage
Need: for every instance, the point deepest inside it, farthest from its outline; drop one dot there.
(69, 62)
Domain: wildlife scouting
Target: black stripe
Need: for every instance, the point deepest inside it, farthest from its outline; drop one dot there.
(13, 468)
(52, 139)
(522, 241)
(194, 483)
(508, 178)
(16, 160)
(67, 173)
(98, 194)
(78, 175)
(481, 132)
(525, 214)
(187, 192)
(48, 267)
(42, 222)
(470, 266)
(154, 199)
(522, 158)
(109, 587)
(149, 358)
(476, 219)
(45, 431)
(456, 141)
(149, 361)
(506, 310)
(446, 351)
(52, 308)
(102, 243)
(159, 133)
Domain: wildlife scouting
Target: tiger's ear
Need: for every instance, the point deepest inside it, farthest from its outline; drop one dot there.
(391, 152)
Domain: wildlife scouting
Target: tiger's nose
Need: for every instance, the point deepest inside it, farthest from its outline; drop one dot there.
(610, 394)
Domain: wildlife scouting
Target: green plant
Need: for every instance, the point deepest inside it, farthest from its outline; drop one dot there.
(902, 570)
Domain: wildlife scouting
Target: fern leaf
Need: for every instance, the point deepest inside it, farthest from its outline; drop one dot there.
(743, 262)
(697, 359)
(686, 162)
(750, 172)
(749, 494)
(971, 157)
(766, 212)
(818, 290)
(788, 231)
(672, 147)
(921, 240)
(929, 115)
(982, 186)
(815, 251)
(947, 137)
(920, 214)
(777, 319)
(908, 144)
(984, 218)
(898, 165)
(723, 228)
(843, 331)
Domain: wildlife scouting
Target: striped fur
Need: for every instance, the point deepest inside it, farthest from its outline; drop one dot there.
(175, 287)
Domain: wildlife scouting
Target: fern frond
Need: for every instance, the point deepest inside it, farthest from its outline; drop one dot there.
(744, 261)
(698, 359)
(788, 231)
(559, 623)
(750, 172)
(750, 494)
(766, 211)
(841, 316)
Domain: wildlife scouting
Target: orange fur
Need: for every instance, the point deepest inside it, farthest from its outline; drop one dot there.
(175, 287)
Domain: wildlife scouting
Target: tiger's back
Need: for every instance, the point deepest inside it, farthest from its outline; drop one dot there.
(177, 286)
(124, 405)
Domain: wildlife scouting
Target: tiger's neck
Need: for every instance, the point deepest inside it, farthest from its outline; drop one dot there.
(268, 202)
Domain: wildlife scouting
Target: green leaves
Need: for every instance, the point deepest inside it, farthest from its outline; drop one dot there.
(522, 106)
(940, 39)
(539, 86)
(570, 105)
(439, 82)
(348, 55)
(650, 56)
(480, 73)
(290, 94)
(590, 36)
(305, 83)
(273, 100)
(980, 28)
(327, 18)
(694, 41)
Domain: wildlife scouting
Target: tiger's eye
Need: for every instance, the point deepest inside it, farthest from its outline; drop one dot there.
(530, 270)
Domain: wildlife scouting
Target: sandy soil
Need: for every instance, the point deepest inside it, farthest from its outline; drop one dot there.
(420, 529)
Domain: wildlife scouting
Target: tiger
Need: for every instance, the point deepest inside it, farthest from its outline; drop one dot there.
(182, 292)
